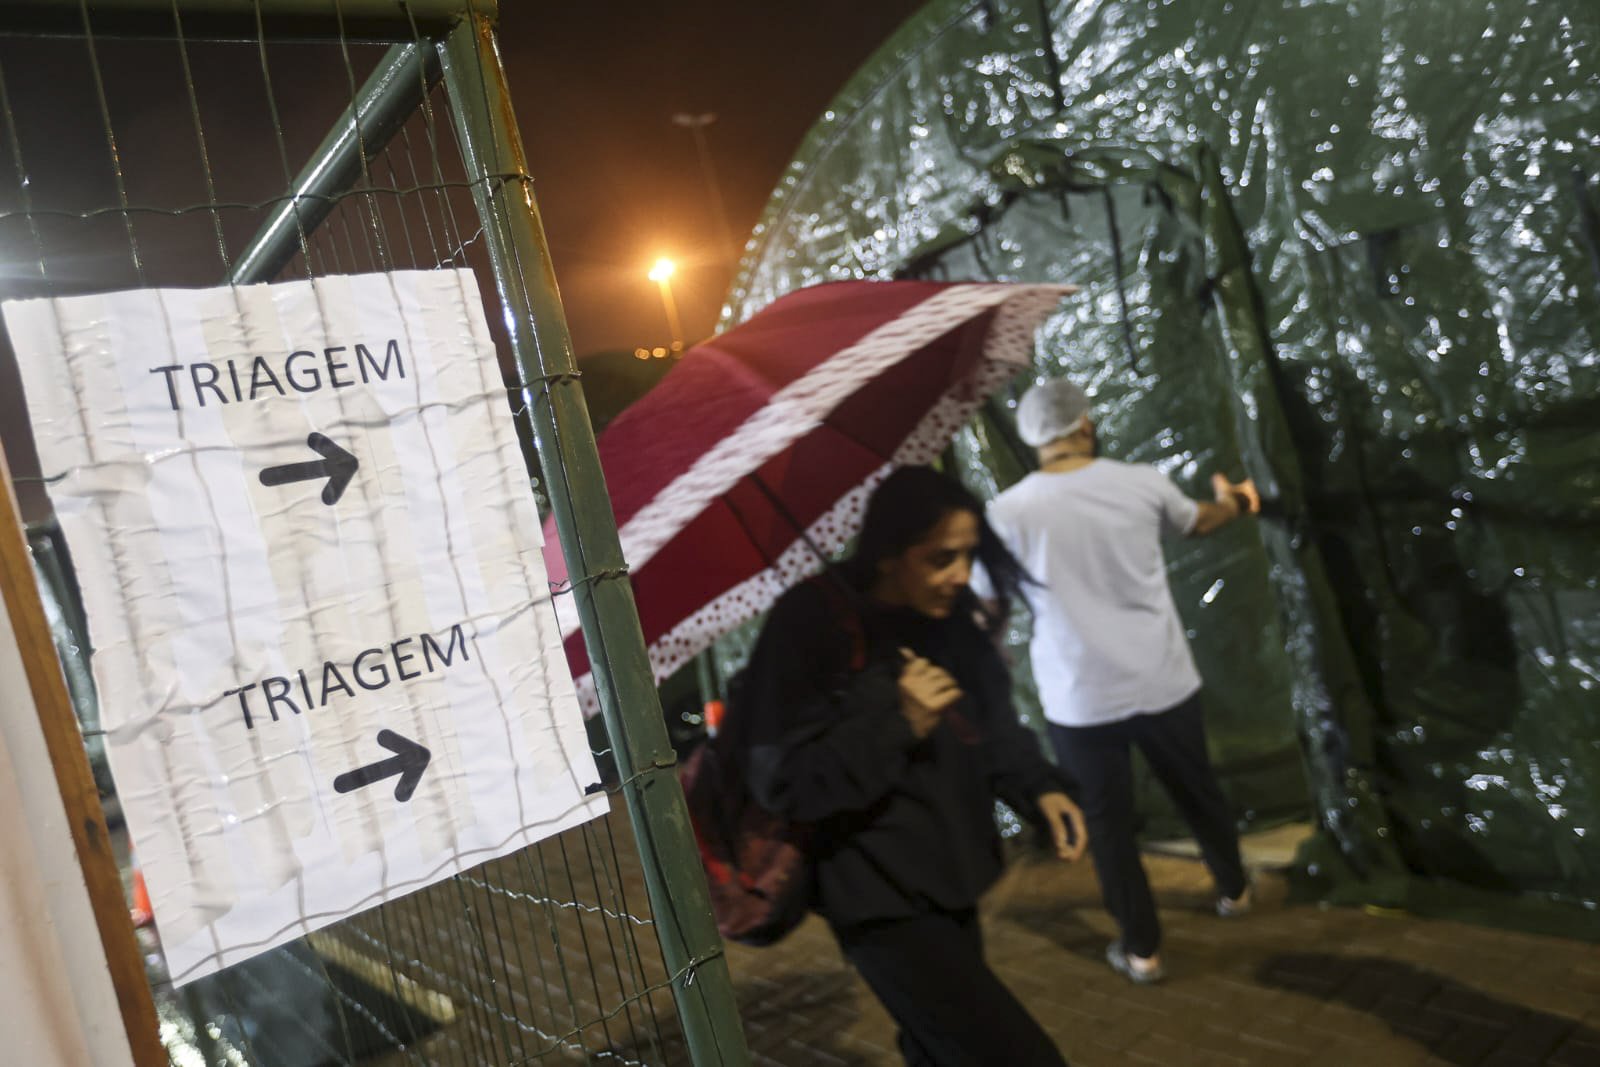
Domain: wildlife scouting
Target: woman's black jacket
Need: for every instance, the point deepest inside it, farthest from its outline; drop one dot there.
(901, 826)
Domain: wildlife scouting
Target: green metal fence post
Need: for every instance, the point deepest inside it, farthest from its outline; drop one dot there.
(525, 279)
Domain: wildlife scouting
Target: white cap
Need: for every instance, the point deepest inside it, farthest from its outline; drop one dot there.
(1051, 411)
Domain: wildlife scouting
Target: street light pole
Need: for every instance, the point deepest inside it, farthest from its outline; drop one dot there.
(696, 125)
(661, 274)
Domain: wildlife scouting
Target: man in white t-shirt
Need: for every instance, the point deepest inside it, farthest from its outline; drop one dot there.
(1110, 657)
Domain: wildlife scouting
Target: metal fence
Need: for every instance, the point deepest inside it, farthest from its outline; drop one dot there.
(191, 142)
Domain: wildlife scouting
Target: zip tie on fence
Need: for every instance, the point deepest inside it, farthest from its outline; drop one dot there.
(567, 585)
(690, 968)
(503, 177)
(546, 381)
(660, 763)
(553, 379)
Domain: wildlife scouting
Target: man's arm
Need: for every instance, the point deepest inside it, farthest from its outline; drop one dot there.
(1232, 500)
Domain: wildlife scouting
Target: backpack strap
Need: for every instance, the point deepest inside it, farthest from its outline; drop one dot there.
(848, 615)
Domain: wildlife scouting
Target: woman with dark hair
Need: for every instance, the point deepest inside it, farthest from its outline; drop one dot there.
(876, 708)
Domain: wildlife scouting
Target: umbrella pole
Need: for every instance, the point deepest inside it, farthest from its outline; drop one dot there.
(525, 280)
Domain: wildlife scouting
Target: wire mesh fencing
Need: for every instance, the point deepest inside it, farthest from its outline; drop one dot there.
(159, 161)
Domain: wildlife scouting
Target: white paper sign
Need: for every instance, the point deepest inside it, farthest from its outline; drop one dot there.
(328, 664)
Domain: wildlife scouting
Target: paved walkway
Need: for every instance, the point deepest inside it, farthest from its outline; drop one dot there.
(1288, 985)
(542, 958)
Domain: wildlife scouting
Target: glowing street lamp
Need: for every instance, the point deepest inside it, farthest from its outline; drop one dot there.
(661, 273)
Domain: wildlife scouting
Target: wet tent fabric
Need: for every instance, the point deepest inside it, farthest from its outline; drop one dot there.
(1352, 250)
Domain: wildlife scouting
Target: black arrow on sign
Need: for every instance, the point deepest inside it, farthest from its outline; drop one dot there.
(409, 761)
(336, 465)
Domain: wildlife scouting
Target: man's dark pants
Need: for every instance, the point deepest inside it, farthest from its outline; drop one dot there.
(1100, 758)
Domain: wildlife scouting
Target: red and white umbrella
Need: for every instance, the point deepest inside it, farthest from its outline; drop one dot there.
(786, 423)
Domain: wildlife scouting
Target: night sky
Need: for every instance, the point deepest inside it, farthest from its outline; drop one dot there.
(619, 183)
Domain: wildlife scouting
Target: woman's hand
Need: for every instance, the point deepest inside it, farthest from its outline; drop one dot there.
(926, 690)
(1066, 825)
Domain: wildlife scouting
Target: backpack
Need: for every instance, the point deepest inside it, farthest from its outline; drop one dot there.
(758, 864)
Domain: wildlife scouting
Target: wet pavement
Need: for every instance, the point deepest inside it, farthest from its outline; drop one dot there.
(549, 956)
(1288, 984)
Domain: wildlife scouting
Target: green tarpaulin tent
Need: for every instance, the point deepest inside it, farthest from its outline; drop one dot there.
(1350, 249)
